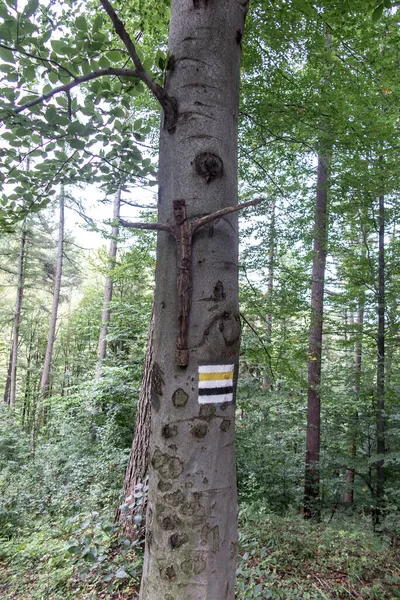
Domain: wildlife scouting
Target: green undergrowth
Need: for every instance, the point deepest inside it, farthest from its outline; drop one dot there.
(279, 558)
(287, 558)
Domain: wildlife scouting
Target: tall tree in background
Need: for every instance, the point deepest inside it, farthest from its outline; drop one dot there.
(380, 374)
(45, 378)
(108, 286)
(135, 480)
(11, 382)
(313, 437)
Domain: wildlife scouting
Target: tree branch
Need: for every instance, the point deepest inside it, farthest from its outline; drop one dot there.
(168, 103)
(78, 80)
(39, 58)
(153, 226)
(223, 212)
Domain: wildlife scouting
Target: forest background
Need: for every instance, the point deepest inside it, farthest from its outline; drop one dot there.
(319, 89)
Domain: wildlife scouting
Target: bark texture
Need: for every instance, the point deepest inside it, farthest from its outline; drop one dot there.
(313, 439)
(191, 519)
(136, 471)
(380, 377)
(108, 286)
(11, 383)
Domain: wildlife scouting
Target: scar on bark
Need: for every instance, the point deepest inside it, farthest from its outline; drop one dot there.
(183, 232)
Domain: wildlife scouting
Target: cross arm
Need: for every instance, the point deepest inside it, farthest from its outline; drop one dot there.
(152, 226)
(223, 212)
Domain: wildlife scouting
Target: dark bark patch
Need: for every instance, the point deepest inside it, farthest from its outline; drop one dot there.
(239, 36)
(168, 573)
(175, 498)
(209, 166)
(170, 522)
(205, 480)
(218, 292)
(169, 431)
(199, 431)
(214, 531)
(195, 511)
(169, 467)
(179, 398)
(176, 540)
(207, 411)
(230, 327)
(224, 405)
(200, 4)
(164, 486)
(158, 380)
(192, 566)
(225, 425)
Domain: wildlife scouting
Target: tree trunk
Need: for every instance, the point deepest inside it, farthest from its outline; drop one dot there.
(45, 379)
(266, 385)
(191, 537)
(311, 487)
(108, 287)
(349, 493)
(380, 378)
(11, 384)
(136, 471)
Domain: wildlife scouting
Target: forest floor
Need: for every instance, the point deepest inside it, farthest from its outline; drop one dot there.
(279, 558)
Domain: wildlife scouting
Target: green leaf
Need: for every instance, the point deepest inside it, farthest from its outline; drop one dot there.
(60, 47)
(376, 15)
(115, 56)
(80, 23)
(7, 55)
(31, 8)
(75, 127)
(121, 574)
(77, 144)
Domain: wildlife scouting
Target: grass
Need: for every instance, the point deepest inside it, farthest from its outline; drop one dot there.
(279, 558)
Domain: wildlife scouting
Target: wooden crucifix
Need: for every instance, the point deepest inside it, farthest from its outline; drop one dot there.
(183, 232)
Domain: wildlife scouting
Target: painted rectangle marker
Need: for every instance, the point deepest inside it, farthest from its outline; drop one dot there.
(216, 383)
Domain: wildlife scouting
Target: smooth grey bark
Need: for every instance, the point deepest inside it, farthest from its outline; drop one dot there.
(191, 540)
(108, 286)
(137, 468)
(11, 383)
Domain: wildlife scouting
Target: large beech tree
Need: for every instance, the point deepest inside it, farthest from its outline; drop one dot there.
(191, 521)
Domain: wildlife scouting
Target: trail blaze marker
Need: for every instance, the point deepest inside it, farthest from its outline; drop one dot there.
(216, 383)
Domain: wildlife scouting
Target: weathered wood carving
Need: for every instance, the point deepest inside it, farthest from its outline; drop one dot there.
(183, 231)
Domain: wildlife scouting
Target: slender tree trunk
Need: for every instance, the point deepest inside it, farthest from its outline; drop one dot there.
(271, 263)
(45, 378)
(135, 482)
(11, 384)
(312, 478)
(312, 502)
(108, 287)
(349, 493)
(380, 379)
(191, 537)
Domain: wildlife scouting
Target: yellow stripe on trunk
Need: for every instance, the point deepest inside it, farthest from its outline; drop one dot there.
(216, 376)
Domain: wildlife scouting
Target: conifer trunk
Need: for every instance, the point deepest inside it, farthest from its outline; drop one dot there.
(11, 383)
(108, 286)
(191, 538)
